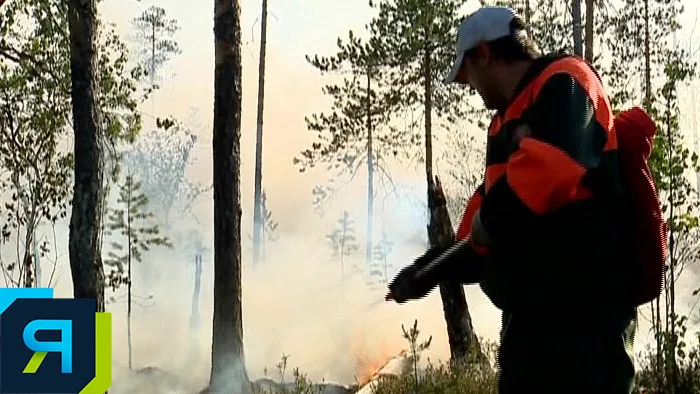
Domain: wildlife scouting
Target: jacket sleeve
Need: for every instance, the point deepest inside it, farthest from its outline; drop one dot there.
(463, 262)
(568, 124)
(472, 207)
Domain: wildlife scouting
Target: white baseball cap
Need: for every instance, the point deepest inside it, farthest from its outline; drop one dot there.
(484, 25)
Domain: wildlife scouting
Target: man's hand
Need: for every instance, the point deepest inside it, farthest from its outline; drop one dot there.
(407, 286)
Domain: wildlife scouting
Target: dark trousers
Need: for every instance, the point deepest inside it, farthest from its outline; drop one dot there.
(574, 354)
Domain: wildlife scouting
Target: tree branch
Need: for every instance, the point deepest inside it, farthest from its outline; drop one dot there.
(20, 58)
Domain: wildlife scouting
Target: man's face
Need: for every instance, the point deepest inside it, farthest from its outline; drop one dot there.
(477, 72)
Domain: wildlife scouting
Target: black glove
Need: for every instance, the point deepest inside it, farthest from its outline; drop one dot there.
(406, 285)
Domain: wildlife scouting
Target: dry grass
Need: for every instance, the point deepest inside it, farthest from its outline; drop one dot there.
(658, 376)
(444, 378)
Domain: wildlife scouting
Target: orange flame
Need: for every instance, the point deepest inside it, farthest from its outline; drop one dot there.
(369, 360)
(368, 367)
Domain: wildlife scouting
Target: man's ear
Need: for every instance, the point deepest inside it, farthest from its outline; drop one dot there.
(482, 54)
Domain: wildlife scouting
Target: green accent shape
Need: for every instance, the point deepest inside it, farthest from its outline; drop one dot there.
(35, 362)
(103, 355)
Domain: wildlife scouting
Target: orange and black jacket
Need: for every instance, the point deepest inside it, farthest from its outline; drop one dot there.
(551, 197)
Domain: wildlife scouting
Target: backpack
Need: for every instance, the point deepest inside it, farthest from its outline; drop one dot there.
(647, 230)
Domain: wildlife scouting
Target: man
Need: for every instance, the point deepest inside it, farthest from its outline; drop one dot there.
(542, 234)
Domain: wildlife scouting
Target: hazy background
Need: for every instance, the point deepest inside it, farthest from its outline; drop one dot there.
(292, 305)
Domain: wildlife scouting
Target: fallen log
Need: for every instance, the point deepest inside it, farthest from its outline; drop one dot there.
(394, 367)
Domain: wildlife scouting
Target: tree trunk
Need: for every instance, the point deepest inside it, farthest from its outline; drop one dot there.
(577, 27)
(590, 14)
(694, 123)
(153, 67)
(257, 203)
(195, 318)
(386, 266)
(464, 344)
(647, 60)
(528, 18)
(129, 284)
(647, 103)
(370, 176)
(428, 107)
(30, 256)
(28, 277)
(194, 315)
(228, 373)
(37, 262)
(460, 331)
(342, 269)
(670, 288)
(86, 220)
(153, 55)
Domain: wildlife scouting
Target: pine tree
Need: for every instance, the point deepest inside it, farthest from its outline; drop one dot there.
(155, 44)
(258, 218)
(228, 371)
(589, 29)
(269, 226)
(417, 39)
(355, 131)
(64, 76)
(577, 27)
(84, 247)
(549, 22)
(343, 243)
(133, 233)
(382, 251)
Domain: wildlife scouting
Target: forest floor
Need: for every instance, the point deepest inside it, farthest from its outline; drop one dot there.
(399, 375)
(396, 376)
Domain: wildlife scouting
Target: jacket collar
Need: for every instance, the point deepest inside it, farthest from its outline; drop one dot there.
(538, 65)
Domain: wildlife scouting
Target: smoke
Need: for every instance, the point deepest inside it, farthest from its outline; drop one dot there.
(294, 304)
